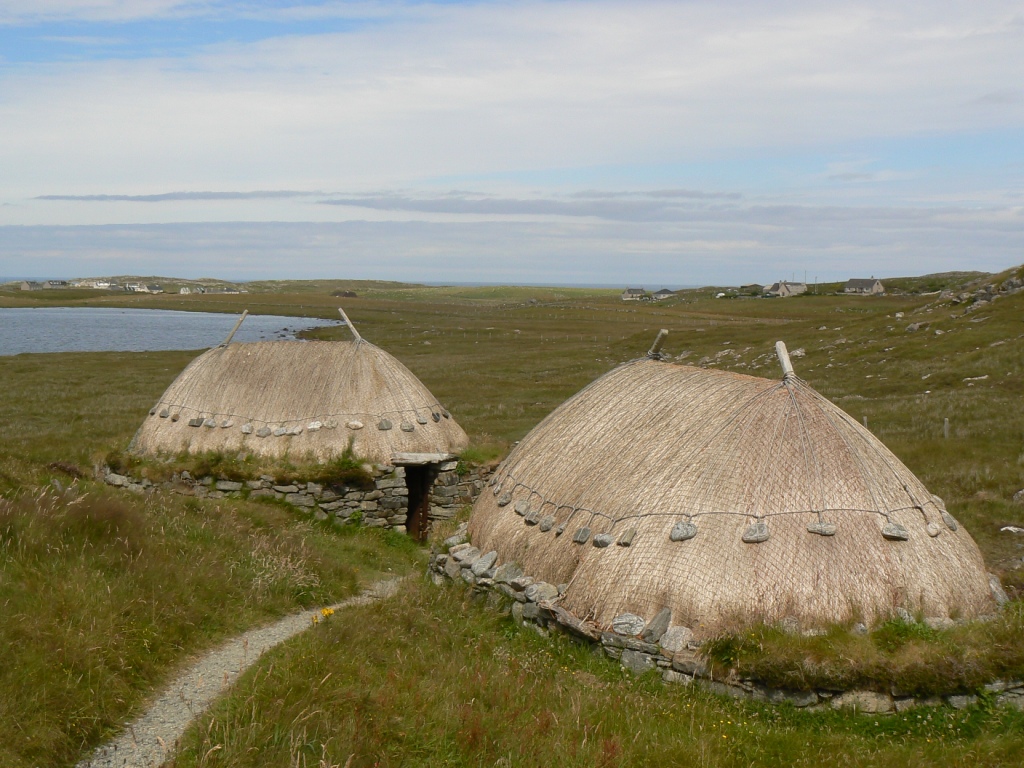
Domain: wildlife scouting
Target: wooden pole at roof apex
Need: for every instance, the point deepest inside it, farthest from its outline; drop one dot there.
(784, 361)
(655, 350)
(349, 324)
(238, 325)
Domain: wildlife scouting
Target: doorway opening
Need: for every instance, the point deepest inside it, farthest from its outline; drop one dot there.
(419, 480)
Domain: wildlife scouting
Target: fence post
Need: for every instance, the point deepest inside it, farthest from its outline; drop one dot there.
(945, 428)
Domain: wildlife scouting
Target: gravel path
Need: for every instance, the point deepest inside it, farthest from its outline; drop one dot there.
(152, 738)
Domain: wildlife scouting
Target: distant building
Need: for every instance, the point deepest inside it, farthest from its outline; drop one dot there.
(783, 289)
(859, 287)
(185, 290)
(154, 289)
(664, 293)
(633, 294)
(31, 285)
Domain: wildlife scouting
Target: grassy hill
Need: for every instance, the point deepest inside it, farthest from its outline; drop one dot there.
(103, 595)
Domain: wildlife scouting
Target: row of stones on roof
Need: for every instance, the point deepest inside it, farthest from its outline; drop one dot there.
(384, 506)
(684, 530)
(291, 430)
(641, 646)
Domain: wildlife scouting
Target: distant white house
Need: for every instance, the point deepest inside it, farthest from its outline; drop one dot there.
(185, 290)
(31, 285)
(783, 289)
(664, 293)
(860, 287)
(633, 294)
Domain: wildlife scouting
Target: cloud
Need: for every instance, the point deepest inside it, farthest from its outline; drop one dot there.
(179, 196)
(712, 246)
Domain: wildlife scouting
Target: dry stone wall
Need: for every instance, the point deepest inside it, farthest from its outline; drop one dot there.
(386, 505)
(641, 646)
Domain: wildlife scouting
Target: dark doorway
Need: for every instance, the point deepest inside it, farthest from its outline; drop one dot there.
(419, 480)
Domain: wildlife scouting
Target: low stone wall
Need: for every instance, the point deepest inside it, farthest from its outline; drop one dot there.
(386, 505)
(641, 647)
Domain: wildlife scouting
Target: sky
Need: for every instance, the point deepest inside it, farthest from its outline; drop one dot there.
(694, 142)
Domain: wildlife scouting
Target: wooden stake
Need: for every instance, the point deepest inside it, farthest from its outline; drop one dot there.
(349, 324)
(238, 325)
(784, 361)
(655, 350)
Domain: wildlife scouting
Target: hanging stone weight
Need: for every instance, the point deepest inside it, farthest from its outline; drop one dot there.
(603, 540)
(822, 529)
(384, 425)
(895, 532)
(581, 535)
(505, 499)
(532, 519)
(522, 507)
(263, 432)
(546, 523)
(948, 520)
(560, 530)
(247, 429)
(227, 424)
(421, 419)
(195, 422)
(175, 416)
(435, 416)
(152, 411)
(407, 426)
(627, 537)
(164, 413)
(210, 423)
(446, 414)
(756, 533)
(353, 425)
(280, 432)
(933, 530)
(682, 531)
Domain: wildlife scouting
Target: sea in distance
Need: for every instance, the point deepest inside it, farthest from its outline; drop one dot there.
(106, 329)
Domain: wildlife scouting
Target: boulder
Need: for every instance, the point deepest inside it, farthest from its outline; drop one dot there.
(628, 624)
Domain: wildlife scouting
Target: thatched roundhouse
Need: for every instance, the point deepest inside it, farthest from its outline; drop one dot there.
(728, 499)
(308, 400)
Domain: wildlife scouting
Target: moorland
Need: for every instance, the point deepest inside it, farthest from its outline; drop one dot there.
(103, 595)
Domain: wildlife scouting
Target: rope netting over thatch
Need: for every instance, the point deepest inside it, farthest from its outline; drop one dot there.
(729, 499)
(303, 399)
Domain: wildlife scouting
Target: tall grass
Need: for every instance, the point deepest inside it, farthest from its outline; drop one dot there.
(433, 679)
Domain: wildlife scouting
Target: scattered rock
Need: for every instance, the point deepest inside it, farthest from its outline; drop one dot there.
(656, 629)
(676, 639)
(628, 624)
(636, 662)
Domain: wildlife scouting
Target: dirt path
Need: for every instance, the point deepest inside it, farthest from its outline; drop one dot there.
(152, 738)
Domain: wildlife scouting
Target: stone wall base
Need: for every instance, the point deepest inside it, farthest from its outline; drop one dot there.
(642, 647)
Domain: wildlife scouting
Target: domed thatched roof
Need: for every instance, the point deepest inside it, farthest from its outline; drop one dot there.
(304, 399)
(729, 499)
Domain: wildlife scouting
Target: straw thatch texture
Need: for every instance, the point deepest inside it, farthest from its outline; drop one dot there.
(303, 399)
(652, 444)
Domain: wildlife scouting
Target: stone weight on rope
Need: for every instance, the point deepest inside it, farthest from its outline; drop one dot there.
(446, 414)
(295, 431)
(210, 423)
(822, 528)
(164, 413)
(195, 422)
(522, 507)
(263, 432)
(408, 426)
(756, 533)
(546, 523)
(435, 416)
(247, 429)
(314, 426)
(933, 530)
(948, 520)
(627, 537)
(280, 432)
(603, 540)
(532, 518)
(505, 499)
(895, 532)
(497, 486)
(384, 425)
(560, 530)
(152, 411)
(332, 424)
(581, 536)
(682, 531)
(421, 419)
(175, 416)
(227, 424)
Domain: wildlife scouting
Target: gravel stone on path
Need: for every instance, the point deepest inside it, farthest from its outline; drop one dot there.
(151, 739)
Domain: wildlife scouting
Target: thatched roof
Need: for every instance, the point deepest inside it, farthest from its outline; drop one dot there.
(303, 399)
(729, 499)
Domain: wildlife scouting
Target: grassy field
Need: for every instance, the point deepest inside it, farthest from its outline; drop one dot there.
(102, 595)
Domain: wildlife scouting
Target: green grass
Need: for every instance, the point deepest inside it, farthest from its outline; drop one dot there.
(432, 679)
(500, 359)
